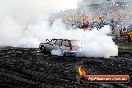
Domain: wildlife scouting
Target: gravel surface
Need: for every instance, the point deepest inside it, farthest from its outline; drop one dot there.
(28, 68)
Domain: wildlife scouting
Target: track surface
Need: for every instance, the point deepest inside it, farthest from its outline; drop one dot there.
(27, 68)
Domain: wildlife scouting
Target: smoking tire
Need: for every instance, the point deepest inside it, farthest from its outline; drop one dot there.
(62, 51)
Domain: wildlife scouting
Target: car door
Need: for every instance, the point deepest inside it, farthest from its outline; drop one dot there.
(65, 45)
(58, 44)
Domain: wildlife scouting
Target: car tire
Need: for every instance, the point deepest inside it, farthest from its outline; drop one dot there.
(42, 49)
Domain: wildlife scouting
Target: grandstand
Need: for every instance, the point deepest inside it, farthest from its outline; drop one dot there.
(94, 5)
(97, 11)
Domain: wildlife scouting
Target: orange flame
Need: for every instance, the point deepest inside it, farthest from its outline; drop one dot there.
(81, 71)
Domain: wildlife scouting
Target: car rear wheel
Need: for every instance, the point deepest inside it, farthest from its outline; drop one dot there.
(42, 49)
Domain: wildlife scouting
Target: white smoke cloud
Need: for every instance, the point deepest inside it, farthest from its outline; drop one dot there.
(16, 15)
(10, 31)
(24, 23)
(57, 52)
(97, 43)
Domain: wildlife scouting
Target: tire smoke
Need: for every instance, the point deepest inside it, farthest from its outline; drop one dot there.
(24, 23)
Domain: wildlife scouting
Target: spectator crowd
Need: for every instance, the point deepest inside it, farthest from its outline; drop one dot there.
(87, 19)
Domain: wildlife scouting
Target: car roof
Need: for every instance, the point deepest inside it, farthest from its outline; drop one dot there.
(66, 39)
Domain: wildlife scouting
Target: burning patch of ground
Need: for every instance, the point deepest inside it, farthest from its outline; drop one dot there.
(22, 68)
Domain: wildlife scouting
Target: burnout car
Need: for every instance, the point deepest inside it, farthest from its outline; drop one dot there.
(67, 46)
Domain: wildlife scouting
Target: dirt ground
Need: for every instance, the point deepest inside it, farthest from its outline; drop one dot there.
(28, 68)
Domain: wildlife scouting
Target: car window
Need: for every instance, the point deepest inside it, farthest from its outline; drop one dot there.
(75, 43)
(58, 42)
(65, 43)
